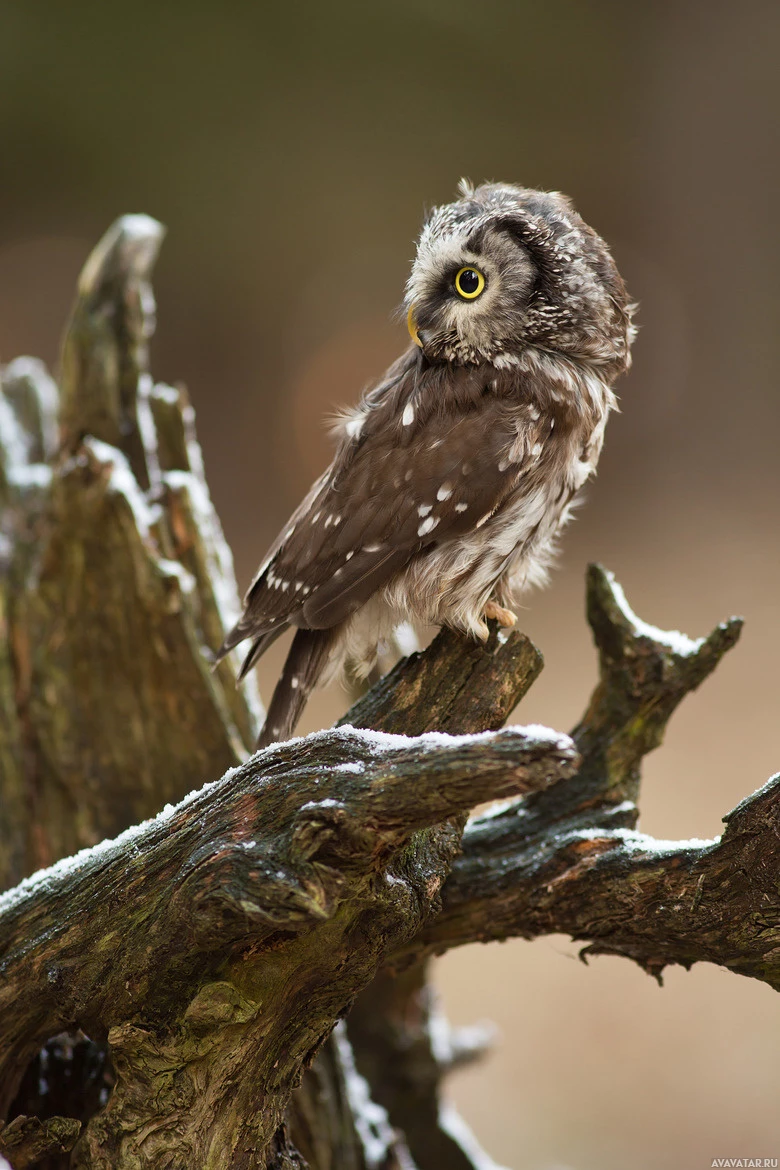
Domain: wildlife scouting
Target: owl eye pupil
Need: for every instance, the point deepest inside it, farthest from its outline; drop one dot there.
(469, 283)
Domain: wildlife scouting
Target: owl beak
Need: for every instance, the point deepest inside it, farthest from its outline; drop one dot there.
(411, 325)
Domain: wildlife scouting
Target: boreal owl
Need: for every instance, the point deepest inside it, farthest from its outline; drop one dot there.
(454, 474)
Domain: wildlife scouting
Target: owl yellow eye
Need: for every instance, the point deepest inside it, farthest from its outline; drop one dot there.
(469, 283)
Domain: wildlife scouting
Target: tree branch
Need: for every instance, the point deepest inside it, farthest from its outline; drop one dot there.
(569, 860)
(263, 881)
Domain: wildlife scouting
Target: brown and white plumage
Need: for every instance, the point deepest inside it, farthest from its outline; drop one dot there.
(454, 474)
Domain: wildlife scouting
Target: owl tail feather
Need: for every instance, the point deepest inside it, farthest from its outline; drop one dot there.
(305, 663)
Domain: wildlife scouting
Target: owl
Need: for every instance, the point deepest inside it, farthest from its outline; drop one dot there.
(454, 474)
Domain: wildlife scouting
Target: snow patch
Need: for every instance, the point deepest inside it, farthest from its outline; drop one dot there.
(677, 642)
(637, 842)
(383, 742)
(453, 1124)
(69, 867)
(371, 1120)
(219, 558)
(122, 481)
(30, 475)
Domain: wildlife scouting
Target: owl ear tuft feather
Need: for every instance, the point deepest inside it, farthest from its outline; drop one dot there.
(466, 189)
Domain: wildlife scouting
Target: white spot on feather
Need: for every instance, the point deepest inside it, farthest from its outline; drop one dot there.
(408, 415)
(505, 361)
(424, 509)
(427, 525)
(461, 507)
(444, 492)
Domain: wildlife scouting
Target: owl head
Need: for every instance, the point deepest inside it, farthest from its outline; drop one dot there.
(504, 268)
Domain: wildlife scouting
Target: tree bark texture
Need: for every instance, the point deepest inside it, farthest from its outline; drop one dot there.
(223, 959)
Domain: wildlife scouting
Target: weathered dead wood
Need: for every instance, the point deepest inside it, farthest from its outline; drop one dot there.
(395, 1028)
(456, 685)
(570, 860)
(111, 597)
(514, 876)
(26, 1140)
(285, 878)
(211, 951)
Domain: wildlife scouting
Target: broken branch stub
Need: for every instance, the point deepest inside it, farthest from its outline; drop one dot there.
(105, 355)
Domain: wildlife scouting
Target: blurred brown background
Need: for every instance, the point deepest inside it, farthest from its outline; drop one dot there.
(291, 149)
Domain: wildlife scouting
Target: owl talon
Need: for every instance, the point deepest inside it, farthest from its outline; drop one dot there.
(504, 617)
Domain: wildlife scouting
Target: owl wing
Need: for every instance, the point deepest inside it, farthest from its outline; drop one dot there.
(415, 472)
(399, 498)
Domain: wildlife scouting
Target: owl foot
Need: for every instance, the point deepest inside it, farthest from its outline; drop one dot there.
(504, 617)
(481, 631)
